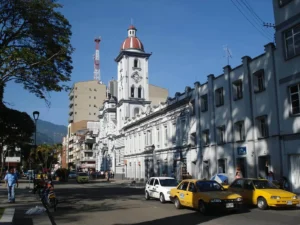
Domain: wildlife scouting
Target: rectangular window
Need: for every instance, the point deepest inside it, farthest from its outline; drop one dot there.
(259, 81)
(219, 94)
(149, 138)
(292, 41)
(284, 2)
(222, 166)
(262, 126)
(295, 99)
(239, 131)
(174, 132)
(183, 130)
(158, 133)
(237, 90)
(146, 138)
(205, 137)
(221, 134)
(166, 135)
(192, 107)
(204, 103)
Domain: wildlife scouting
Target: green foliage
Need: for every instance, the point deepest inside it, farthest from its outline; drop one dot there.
(47, 154)
(16, 127)
(35, 48)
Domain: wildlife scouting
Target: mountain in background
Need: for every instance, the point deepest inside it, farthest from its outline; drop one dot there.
(50, 133)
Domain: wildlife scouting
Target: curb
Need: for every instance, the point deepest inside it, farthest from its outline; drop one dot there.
(8, 216)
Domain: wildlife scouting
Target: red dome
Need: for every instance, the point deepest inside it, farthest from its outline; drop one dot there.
(132, 28)
(132, 43)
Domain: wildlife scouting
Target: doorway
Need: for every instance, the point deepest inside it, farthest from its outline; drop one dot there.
(263, 166)
(241, 165)
(206, 170)
(295, 173)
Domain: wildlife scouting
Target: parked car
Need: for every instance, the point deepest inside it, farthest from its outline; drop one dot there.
(82, 177)
(263, 194)
(72, 175)
(204, 195)
(159, 188)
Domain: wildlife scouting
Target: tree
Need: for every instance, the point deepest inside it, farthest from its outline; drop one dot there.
(43, 153)
(16, 130)
(35, 48)
(16, 127)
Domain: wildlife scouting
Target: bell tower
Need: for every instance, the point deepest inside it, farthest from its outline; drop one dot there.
(133, 80)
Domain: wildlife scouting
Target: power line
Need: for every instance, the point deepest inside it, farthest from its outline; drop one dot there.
(255, 15)
(260, 25)
(249, 20)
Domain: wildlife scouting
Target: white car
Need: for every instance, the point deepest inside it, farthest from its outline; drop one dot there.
(159, 188)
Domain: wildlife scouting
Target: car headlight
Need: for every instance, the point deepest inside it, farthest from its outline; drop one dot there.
(239, 199)
(275, 197)
(216, 200)
(295, 197)
(168, 192)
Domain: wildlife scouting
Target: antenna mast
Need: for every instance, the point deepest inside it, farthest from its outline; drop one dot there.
(97, 61)
(228, 53)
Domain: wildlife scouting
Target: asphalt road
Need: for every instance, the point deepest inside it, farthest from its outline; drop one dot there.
(116, 204)
(109, 204)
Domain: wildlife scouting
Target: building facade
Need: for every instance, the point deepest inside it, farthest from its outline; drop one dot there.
(287, 60)
(246, 119)
(85, 100)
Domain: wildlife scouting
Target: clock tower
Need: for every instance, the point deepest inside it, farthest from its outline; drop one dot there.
(133, 80)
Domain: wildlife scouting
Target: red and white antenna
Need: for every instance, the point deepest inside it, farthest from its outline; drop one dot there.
(97, 60)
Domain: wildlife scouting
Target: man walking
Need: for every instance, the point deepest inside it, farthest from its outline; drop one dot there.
(11, 180)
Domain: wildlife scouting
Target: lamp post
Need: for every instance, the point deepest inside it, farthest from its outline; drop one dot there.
(36, 115)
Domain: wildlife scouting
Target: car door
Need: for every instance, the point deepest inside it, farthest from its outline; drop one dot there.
(156, 188)
(191, 199)
(150, 187)
(249, 191)
(237, 187)
(182, 193)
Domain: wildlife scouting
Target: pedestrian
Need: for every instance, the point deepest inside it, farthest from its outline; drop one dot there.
(11, 180)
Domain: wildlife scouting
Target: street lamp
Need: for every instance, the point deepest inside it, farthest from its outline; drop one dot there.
(36, 115)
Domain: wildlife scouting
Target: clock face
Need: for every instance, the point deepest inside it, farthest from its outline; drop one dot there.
(136, 77)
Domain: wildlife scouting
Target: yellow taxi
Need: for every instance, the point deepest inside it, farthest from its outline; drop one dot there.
(263, 193)
(82, 177)
(204, 195)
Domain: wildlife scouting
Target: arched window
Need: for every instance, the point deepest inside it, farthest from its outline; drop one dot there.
(135, 63)
(136, 111)
(132, 91)
(140, 92)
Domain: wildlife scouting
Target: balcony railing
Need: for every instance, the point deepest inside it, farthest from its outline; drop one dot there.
(87, 159)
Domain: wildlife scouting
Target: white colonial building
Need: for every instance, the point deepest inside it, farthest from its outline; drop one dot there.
(228, 123)
(245, 119)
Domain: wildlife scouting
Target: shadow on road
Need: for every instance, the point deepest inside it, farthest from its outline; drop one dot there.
(192, 218)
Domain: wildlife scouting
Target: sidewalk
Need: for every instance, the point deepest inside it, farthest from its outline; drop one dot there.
(24, 201)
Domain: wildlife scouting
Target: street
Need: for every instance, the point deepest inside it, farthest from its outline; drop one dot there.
(117, 204)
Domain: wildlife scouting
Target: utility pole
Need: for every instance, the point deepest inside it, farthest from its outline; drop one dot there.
(270, 25)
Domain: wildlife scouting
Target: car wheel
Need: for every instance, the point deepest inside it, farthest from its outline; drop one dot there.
(177, 203)
(202, 207)
(147, 197)
(162, 198)
(262, 203)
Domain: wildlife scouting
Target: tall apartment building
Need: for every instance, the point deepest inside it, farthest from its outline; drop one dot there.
(86, 98)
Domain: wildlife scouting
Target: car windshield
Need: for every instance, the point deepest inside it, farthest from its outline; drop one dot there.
(168, 182)
(208, 186)
(82, 174)
(263, 184)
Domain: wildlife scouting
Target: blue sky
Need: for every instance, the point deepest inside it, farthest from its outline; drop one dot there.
(186, 38)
